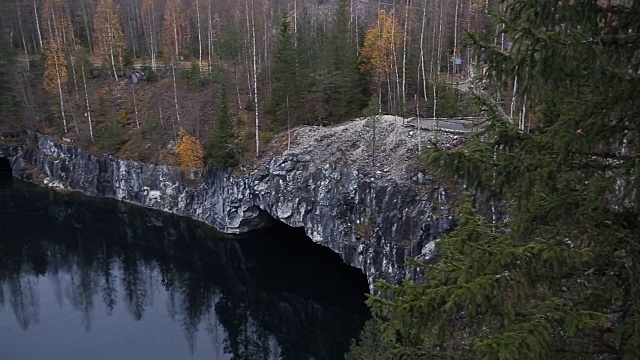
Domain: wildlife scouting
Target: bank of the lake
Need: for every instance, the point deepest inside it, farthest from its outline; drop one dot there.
(373, 216)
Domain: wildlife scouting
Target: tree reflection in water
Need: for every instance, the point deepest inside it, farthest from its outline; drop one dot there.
(267, 295)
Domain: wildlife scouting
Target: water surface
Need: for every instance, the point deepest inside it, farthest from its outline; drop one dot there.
(88, 278)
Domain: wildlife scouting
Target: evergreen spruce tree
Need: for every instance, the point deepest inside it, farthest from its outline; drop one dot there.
(558, 278)
(220, 150)
(7, 71)
(345, 82)
(285, 79)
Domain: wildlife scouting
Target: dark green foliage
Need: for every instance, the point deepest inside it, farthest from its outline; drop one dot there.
(370, 345)
(193, 75)
(319, 76)
(127, 58)
(149, 75)
(558, 278)
(7, 71)
(451, 103)
(345, 82)
(220, 151)
(110, 136)
(285, 75)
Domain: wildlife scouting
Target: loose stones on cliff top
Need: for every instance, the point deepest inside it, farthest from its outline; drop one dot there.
(396, 146)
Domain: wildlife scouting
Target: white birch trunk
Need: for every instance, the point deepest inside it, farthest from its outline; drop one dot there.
(455, 37)
(35, 10)
(57, 66)
(154, 63)
(199, 35)
(394, 61)
(255, 79)
(135, 105)
(422, 54)
(175, 91)
(86, 99)
(418, 123)
(24, 43)
(437, 73)
(513, 98)
(404, 58)
(175, 31)
(110, 44)
(210, 39)
(248, 47)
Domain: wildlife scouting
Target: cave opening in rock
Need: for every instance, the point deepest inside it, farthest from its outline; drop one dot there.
(5, 168)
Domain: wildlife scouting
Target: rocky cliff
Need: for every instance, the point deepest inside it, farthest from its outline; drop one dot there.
(323, 183)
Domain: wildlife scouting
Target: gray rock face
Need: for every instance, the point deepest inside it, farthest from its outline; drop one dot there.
(374, 224)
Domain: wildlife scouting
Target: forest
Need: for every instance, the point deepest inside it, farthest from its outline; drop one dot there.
(544, 260)
(130, 76)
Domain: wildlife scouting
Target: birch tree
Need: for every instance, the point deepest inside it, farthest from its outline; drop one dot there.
(55, 73)
(108, 34)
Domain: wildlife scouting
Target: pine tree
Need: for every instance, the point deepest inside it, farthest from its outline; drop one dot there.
(557, 278)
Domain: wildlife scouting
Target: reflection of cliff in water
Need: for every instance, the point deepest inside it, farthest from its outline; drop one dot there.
(266, 287)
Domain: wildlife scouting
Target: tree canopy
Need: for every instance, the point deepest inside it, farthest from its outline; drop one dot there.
(557, 277)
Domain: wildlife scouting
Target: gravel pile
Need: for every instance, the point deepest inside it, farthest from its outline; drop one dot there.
(396, 146)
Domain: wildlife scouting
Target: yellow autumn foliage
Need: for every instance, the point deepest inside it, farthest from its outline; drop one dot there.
(55, 69)
(190, 151)
(380, 44)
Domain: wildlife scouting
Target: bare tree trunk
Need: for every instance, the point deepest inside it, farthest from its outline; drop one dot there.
(175, 90)
(295, 24)
(235, 76)
(422, 54)
(288, 127)
(35, 10)
(135, 105)
(86, 98)
(437, 74)
(357, 32)
(24, 43)
(418, 125)
(199, 35)
(85, 19)
(404, 58)
(248, 47)
(110, 43)
(57, 66)
(523, 113)
(394, 60)
(175, 31)
(513, 97)
(210, 40)
(154, 48)
(131, 31)
(455, 38)
(255, 79)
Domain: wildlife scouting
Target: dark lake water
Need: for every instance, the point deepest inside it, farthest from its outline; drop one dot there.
(87, 278)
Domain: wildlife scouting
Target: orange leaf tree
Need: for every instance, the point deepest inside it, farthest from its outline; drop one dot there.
(190, 151)
(379, 45)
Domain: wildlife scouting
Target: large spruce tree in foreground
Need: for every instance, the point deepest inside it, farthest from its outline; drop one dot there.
(560, 277)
